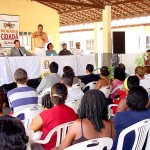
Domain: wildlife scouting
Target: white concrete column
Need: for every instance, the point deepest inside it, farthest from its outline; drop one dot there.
(107, 42)
(142, 39)
(96, 42)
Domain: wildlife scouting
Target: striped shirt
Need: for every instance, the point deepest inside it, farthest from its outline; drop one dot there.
(22, 97)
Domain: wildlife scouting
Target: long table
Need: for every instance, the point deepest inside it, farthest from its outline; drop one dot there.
(34, 65)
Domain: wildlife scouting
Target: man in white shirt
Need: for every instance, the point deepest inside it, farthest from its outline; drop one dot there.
(78, 50)
(73, 93)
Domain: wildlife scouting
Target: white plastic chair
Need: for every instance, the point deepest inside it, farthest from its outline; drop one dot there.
(95, 144)
(91, 85)
(29, 114)
(47, 91)
(148, 142)
(117, 88)
(110, 111)
(76, 85)
(74, 104)
(141, 129)
(60, 130)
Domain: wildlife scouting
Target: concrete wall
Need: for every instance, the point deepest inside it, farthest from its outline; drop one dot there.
(31, 14)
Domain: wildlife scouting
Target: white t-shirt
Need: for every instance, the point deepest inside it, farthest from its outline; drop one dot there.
(74, 94)
(146, 84)
(147, 76)
(76, 51)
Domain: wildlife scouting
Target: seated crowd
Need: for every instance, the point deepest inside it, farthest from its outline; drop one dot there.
(131, 95)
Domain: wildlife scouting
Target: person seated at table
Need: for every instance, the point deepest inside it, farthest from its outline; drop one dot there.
(64, 51)
(104, 84)
(50, 50)
(73, 93)
(90, 77)
(2, 101)
(12, 134)
(70, 70)
(92, 123)
(18, 50)
(50, 79)
(46, 102)
(23, 96)
(57, 115)
(137, 102)
(77, 50)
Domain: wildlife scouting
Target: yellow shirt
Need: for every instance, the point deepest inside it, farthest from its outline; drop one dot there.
(40, 40)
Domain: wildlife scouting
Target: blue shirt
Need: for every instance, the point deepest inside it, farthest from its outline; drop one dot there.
(48, 53)
(22, 97)
(125, 119)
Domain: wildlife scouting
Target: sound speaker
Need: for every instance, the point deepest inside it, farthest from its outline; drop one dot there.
(118, 42)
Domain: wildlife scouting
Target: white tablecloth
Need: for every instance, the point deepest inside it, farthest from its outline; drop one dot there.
(34, 65)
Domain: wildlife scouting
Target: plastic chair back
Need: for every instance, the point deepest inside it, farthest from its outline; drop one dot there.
(110, 111)
(91, 85)
(95, 144)
(141, 130)
(61, 132)
(76, 85)
(29, 114)
(74, 104)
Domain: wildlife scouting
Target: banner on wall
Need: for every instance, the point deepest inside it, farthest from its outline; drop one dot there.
(9, 30)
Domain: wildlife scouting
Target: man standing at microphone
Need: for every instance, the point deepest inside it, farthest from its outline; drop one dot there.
(40, 38)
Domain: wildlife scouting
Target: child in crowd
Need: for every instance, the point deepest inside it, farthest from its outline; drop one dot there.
(46, 102)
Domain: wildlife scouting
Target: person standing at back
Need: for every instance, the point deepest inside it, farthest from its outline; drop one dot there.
(64, 51)
(49, 80)
(40, 38)
(23, 96)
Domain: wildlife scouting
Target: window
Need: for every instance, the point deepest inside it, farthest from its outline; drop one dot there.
(25, 40)
(147, 42)
(90, 45)
(70, 45)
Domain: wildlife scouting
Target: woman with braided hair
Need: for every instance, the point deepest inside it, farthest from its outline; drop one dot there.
(92, 122)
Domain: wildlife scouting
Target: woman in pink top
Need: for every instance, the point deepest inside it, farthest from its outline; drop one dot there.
(59, 114)
(119, 77)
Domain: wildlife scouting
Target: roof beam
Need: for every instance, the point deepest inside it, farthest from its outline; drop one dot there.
(73, 10)
(96, 2)
(125, 1)
(72, 3)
